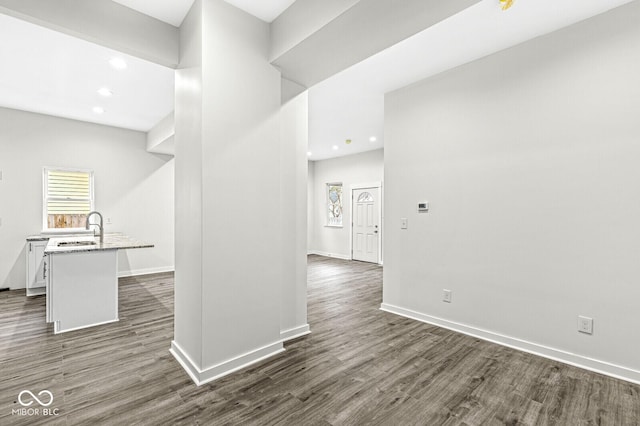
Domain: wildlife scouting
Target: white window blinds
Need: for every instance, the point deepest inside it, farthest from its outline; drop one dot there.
(68, 197)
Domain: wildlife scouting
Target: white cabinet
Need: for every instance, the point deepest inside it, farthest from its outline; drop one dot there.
(36, 267)
(82, 289)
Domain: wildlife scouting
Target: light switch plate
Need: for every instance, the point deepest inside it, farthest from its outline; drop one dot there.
(404, 222)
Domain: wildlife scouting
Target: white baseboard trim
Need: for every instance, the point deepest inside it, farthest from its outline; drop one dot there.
(185, 361)
(597, 366)
(334, 255)
(200, 377)
(146, 271)
(294, 333)
(124, 274)
(56, 326)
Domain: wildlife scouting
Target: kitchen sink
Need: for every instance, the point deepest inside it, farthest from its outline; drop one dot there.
(76, 243)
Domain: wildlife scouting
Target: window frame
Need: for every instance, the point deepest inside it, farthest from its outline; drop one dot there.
(328, 204)
(45, 198)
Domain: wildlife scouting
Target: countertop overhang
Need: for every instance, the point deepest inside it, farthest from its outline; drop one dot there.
(112, 241)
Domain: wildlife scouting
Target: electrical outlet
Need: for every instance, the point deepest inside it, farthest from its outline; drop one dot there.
(109, 221)
(446, 295)
(585, 325)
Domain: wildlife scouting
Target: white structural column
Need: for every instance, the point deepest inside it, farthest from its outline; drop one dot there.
(294, 131)
(229, 252)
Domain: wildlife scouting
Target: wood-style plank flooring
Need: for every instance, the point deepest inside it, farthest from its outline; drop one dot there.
(360, 366)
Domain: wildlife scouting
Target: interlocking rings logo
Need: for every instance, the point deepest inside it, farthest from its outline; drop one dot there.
(42, 392)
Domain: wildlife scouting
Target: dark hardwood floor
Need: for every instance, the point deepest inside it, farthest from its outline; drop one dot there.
(359, 366)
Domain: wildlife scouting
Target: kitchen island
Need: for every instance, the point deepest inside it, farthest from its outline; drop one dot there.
(82, 280)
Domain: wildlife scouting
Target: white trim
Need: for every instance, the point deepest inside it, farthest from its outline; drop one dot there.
(200, 377)
(56, 326)
(294, 333)
(325, 254)
(366, 185)
(357, 186)
(35, 291)
(185, 361)
(146, 271)
(576, 360)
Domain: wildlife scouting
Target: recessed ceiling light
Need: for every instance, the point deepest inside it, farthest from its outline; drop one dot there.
(309, 154)
(335, 147)
(117, 63)
(373, 139)
(105, 92)
(98, 110)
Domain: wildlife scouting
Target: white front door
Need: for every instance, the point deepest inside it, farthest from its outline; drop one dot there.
(366, 224)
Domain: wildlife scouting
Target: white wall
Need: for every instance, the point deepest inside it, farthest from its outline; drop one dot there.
(366, 167)
(529, 159)
(132, 187)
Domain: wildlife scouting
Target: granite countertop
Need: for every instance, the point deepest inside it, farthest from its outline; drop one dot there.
(112, 241)
(45, 237)
(38, 238)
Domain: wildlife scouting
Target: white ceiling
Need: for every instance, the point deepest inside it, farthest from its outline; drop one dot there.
(169, 11)
(56, 74)
(350, 105)
(173, 11)
(267, 10)
(53, 73)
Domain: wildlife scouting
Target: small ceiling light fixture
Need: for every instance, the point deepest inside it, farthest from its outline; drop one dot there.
(105, 92)
(348, 141)
(373, 139)
(335, 147)
(117, 63)
(98, 110)
(506, 4)
(309, 154)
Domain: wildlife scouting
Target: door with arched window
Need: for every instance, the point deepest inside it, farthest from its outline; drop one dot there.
(366, 224)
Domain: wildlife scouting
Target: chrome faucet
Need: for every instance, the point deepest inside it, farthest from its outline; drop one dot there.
(99, 225)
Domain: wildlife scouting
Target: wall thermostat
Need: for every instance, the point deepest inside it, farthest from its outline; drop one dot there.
(423, 207)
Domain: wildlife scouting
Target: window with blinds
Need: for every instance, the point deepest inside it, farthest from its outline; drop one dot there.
(68, 198)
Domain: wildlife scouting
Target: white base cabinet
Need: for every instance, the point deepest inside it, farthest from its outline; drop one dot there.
(36, 267)
(82, 289)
